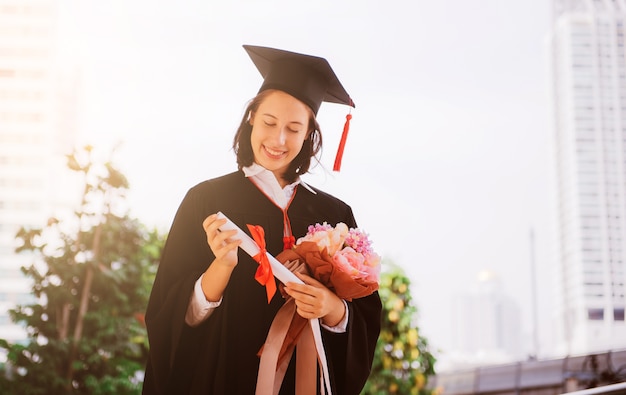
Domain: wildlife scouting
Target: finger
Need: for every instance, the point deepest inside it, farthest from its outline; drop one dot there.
(308, 311)
(212, 225)
(226, 237)
(309, 280)
(301, 289)
(224, 251)
(306, 302)
(224, 244)
(227, 248)
(208, 221)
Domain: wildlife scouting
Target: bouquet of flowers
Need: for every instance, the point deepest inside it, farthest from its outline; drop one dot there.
(343, 260)
(339, 257)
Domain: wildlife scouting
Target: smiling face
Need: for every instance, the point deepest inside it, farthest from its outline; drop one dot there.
(279, 128)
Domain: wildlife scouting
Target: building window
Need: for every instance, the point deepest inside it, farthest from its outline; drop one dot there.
(595, 314)
(618, 314)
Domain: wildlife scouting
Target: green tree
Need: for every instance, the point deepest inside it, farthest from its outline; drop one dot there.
(91, 280)
(403, 361)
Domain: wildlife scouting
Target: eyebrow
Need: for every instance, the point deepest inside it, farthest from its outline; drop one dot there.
(273, 117)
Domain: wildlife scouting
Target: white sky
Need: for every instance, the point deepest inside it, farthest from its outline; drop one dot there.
(448, 161)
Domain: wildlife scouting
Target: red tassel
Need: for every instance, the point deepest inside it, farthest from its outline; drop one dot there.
(342, 143)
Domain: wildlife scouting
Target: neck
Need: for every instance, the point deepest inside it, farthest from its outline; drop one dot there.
(281, 181)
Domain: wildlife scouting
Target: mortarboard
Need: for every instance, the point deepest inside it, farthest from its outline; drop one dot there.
(308, 78)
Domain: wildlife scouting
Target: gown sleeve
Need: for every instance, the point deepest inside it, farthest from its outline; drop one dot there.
(353, 355)
(185, 257)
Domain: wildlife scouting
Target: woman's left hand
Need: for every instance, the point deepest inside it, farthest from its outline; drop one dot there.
(314, 300)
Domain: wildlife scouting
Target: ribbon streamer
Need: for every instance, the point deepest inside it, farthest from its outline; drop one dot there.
(288, 242)
(264, 273)
(275, 356)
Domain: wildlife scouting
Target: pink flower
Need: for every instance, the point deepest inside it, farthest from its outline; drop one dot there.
(372, 262)
(357, 265)
(351, 262)
(325, 236)
(350, 249)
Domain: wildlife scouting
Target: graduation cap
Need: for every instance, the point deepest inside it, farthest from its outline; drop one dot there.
(308, 78)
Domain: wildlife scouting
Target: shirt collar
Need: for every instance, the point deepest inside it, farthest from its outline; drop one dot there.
(256, 170)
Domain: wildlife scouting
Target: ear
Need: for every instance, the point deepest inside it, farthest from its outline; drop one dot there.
(251, 118)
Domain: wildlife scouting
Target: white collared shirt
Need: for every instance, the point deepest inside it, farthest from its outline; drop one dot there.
(267, 182)
(199, 308)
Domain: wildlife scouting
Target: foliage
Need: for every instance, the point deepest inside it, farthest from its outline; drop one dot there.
(402, 362)
(91, 282)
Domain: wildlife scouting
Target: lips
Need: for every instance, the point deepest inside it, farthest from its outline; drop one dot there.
(274, 154)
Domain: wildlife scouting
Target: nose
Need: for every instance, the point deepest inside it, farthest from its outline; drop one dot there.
(282, 135)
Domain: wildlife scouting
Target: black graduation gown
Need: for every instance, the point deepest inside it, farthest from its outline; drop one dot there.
(220, 355)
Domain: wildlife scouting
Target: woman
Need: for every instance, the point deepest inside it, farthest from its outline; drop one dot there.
(207, 317)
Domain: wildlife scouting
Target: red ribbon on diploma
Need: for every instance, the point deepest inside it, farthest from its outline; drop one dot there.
(264, 273)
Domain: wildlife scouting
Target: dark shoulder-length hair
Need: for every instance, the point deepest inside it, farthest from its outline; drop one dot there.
(299, 165)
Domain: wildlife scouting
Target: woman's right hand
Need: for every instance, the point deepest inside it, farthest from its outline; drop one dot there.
(221, 243)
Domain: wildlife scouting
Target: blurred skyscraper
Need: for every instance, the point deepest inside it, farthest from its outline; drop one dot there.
(37, 126)
(486, 325)
(589, 96)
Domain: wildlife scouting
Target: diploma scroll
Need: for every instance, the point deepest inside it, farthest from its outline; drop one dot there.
(251, 248)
